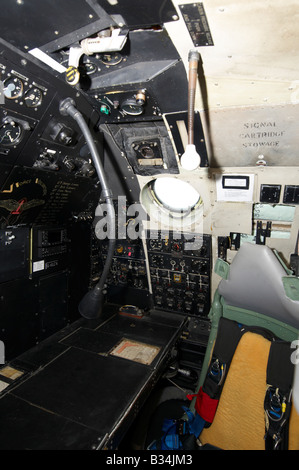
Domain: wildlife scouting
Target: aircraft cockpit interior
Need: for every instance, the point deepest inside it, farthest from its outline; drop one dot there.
(149, 226)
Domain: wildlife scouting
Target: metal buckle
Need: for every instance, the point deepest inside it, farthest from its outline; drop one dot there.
(277, 440)
(217, 371)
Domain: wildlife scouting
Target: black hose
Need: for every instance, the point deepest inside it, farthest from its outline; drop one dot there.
(91, 305)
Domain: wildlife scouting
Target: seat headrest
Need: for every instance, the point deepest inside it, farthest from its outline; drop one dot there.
(255, 282)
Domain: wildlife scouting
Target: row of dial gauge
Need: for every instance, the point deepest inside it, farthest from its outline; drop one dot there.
(17, 88)
(13, 89)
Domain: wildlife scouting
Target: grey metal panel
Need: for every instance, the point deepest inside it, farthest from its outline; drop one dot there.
(241, 136)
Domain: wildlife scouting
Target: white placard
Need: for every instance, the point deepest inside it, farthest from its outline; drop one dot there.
(38, 266)
(239, 192)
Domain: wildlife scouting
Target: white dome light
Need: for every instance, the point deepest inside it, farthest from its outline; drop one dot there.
(175, 195)
(190, 160)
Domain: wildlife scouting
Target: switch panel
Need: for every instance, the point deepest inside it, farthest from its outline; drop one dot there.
(270, 193)
(291, 194)
(180, 268)
(127, 282)
(14, 253)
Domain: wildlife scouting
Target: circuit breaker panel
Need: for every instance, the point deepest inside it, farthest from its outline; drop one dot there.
(127, 282)
(180, 267)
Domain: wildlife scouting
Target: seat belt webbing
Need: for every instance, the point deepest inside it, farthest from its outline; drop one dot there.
(207, 398)
(278, 398)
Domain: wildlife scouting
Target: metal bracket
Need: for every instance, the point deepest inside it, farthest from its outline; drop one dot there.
(262, 233)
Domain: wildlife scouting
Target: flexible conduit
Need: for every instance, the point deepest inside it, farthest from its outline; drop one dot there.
(91, 304)
(193, 59)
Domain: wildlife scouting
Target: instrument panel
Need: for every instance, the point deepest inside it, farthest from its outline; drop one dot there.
(20, 88)
(180, 269)
(32, 131)
(127, 106)
(177, 268)
(127, 282)
(44, 160)
(26, 99)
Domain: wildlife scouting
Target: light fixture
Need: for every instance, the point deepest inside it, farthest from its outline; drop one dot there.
(175, 195)
(190, 160)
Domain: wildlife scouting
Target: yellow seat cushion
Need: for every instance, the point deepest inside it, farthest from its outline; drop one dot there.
(294, 430)
(239, 423)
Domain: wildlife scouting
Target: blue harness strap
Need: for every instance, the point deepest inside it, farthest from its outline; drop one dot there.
(195, 422)
(175, 432)
(170, 439)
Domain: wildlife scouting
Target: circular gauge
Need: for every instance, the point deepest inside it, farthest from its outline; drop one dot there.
(131, 107)
(155, 244)
(10, 134)
(176, 247)
(33, 97)
(111, 59)
(13, 88)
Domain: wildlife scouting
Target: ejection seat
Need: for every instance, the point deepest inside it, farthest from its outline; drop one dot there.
(259, 296)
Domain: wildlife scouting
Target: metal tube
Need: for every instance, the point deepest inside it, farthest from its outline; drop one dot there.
(193, 67)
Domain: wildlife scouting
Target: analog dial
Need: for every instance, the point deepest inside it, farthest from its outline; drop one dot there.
(111, 59)
(10, 134)
(33, 97)
(131, 107)
(13, 88)
(155, 244)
